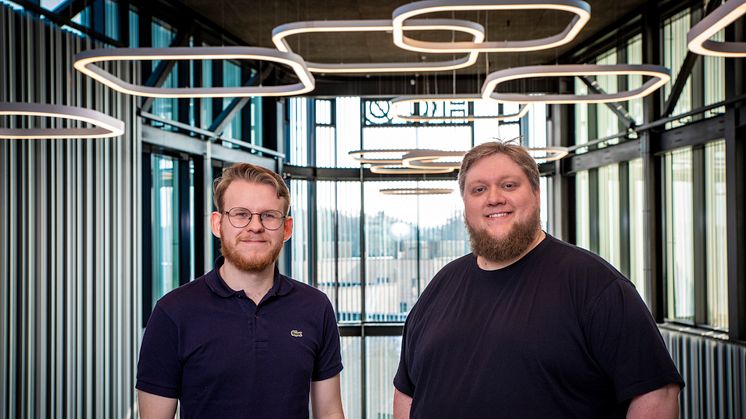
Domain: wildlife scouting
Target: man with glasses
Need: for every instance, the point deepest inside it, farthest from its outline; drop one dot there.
(243, 340)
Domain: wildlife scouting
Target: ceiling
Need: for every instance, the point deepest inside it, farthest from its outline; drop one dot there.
(252, 22)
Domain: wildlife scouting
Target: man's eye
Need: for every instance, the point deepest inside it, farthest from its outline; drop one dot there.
(478, 189)
(241, 214)
(269, 216)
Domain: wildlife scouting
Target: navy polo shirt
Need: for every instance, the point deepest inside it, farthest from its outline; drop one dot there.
(223, 356)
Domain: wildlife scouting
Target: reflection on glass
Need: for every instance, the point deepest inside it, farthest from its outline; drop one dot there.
(716, 243)
(636, 227)
(609, 242)
(679, 234)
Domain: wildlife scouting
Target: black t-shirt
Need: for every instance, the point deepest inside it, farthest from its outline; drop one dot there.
(560, 333)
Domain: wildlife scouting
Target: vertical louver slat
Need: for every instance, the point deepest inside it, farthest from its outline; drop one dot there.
(69, 217)
(715, 375)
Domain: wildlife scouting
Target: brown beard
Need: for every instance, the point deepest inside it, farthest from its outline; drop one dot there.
(517, 241)
(252, 263)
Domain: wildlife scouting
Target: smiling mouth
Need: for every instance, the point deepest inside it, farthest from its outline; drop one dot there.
(498, 214)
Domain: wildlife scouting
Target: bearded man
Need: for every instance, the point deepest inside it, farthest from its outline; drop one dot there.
(243, 341)
(528, 326)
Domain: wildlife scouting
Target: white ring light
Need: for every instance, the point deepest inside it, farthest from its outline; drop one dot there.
(105, 126)
(416, 191)
(364, 156)
(85, 62)
(401, 103)
(580, 8)
(698, 38)
(392, 170)
(549, 153)
(322, 26)
(659, 76)
(432, 159)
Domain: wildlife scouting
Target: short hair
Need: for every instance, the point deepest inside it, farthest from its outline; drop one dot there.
(515, 152)
(252, 174)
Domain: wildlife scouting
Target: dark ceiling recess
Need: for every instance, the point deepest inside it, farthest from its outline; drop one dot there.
(250, 22)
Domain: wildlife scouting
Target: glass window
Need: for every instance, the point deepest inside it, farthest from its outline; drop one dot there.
(232, 77)
(582, 210)
(339, 273)
(674, 52)
(607, 121)
(609, 242)
(716, 243)
(299, 242)
(679, 234)
(637, 227)
(634, 56)
(351, 379)
(581, 117)
(167, 108)
(298, 153)
(169, 194)
(714, 69)
(381, 362)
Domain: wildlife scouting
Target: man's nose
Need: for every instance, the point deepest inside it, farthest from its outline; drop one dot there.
(495, 196)
(255, 223)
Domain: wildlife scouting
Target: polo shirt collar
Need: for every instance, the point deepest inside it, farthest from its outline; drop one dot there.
(281, 285)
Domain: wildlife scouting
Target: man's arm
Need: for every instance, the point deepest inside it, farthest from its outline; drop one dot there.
(155, 407)
(659, 404)
(326, 399)
(402, 405)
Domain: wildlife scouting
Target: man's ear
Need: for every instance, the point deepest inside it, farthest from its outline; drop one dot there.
(215, 224)
(287, 228)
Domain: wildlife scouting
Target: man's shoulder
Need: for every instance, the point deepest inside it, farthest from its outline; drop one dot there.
(457, 265)
(566, 258)
(192, 292)
(306, 291)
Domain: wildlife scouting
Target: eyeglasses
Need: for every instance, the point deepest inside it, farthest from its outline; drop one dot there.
(241, 217)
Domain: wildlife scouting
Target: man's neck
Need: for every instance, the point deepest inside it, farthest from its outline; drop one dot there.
(254, 284)
(491, 265)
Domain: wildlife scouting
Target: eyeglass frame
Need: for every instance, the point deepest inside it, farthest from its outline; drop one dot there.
(251, 217)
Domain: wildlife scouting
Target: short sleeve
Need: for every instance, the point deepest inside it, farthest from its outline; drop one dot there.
(402, 379)
(159, 368)
(328, 361)
(625, 341)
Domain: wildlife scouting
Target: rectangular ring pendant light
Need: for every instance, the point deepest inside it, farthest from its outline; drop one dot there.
(104, 125)
(658, 77)
(698, 38)
(280, 33)
(579, 8)
(85, 62)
